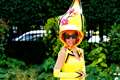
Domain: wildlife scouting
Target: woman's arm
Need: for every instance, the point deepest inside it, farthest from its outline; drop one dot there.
(61, 59)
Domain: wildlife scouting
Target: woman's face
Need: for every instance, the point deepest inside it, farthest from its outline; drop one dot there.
(70, 38)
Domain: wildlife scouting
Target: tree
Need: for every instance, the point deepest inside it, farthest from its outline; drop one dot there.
(101, 13)
(24, 13)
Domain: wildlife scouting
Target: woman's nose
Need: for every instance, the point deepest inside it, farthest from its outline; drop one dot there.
(71, 38)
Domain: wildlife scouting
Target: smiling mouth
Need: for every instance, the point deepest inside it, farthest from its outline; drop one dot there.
(70, 43)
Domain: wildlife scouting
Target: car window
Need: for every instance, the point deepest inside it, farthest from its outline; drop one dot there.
(30, 37)
(25, 38)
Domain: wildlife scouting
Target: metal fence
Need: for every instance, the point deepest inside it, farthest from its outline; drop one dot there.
(94, 37)
(32, 35)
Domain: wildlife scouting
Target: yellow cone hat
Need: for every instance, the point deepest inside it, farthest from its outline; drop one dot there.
(73, 19)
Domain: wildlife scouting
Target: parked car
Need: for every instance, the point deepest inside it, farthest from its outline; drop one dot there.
(33, 35)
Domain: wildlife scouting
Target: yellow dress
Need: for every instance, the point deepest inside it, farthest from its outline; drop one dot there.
(71, 67)
(72, 20)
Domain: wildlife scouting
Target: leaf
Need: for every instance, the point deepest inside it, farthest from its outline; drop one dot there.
(103, 64)
(48, 64)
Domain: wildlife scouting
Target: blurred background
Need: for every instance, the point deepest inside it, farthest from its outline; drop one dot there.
(29, 42)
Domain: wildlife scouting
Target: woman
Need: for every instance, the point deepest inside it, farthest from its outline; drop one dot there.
(70, 64)
(70, 58)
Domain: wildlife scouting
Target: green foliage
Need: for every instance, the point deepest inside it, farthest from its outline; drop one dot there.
(2, 73)
(14, 63)
(52, 25)
(17, 70)
(48, 64)
(114, 44)
(96, 73)
(56, 48)
(98, 68)
(97, 57)
(19, 74)
(45, 70)
(101, 13)
(9, 69)
(53, 44)
(98, 13)
(38, 11)
(7, 65)
(3, 35)
(52, 40)
(3, 40)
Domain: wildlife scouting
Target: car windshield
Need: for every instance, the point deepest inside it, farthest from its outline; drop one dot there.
(26, 38)
(29, 37)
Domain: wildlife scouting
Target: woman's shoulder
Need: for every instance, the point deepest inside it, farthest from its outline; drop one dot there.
(62, 51)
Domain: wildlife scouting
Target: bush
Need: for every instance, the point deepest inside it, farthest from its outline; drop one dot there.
(3, 37)
(4, 29)
(97, 67)
(52, 40)
(19, 74)
(113, 46)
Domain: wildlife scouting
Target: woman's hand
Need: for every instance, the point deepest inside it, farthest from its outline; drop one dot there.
(81, 74)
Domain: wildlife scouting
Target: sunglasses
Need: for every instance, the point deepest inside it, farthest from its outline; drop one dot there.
(67, 36)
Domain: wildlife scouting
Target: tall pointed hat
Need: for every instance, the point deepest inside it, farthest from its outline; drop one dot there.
(73, 19)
